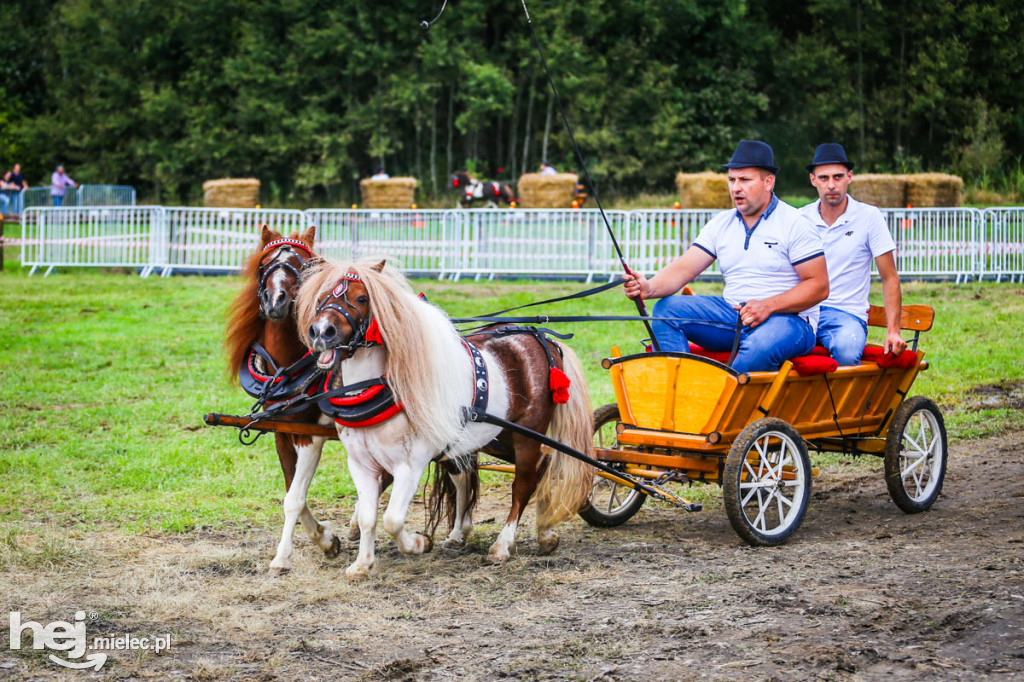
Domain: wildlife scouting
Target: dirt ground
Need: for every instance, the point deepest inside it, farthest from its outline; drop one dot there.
(861, 592)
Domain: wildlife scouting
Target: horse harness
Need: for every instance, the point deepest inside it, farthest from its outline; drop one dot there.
(289, 390)
(292, 246)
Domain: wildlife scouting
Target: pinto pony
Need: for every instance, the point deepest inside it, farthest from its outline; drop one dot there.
(401, 356)
(473, 191)
(261, 318)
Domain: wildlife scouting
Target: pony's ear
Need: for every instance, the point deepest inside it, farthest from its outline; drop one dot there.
(379, 267)
(267, 235)
(309, 236)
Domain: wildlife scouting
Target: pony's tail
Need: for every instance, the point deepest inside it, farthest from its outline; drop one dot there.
(442, 501)
(567, 482)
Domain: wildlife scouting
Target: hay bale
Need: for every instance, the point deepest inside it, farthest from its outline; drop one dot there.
(934, 189)
(231, 193)
(392, 193)
(536, 190)
(704, 190)
(885, 191)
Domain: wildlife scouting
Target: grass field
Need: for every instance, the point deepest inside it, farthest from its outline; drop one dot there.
(106, 377)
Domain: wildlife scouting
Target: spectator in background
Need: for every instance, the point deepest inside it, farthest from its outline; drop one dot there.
(59, 182)
(6, 189)
(545, 169)
(380, 174)
(18, 178)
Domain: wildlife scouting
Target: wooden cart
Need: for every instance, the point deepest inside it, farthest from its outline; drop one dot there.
(685, 417)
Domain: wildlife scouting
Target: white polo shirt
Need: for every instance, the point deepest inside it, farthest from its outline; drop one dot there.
(760, 262)
(859, 235)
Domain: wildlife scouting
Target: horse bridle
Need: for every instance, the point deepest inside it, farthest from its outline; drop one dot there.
(340, 293)
(266, 270)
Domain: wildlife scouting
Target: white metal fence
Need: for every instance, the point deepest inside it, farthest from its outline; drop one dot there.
(955, 243)
(83, 195)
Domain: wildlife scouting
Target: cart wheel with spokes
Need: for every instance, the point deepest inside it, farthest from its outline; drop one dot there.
(610, 504)
(767, 482)
(915, 455)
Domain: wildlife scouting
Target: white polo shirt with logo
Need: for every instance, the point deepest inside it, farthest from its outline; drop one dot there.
(857, 237)
(759, 263)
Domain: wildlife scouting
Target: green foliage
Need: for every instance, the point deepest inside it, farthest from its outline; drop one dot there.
(309, 96)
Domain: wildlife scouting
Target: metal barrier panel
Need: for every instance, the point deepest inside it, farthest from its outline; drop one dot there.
(424, 242)
(540, 242)
(219, 239)
(40, 196)
(10, 201)
(1002, 237)
(90, 237)
(936, 242)
(658, 237)
(106, 195)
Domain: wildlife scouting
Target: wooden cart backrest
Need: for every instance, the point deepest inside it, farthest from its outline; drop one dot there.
(916, 318)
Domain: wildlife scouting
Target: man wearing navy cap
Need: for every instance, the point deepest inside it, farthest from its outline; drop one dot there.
(774, 268)
(853, 233)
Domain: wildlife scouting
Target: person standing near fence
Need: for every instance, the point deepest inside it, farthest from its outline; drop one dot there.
(853, 233)
(59, 182)
(7, 190)
(18, 178)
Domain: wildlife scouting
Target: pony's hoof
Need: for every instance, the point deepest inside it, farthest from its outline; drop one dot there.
(279, 571)
(334, 550)
(548, 545)
(450, 546)
(353, 534)
(495, 559)
(355, 573)
(428, 543)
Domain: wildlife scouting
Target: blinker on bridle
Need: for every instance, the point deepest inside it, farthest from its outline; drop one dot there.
(340, 293)
(266, 270)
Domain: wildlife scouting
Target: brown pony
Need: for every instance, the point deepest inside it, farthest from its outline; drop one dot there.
(413, 378)
(262, 314)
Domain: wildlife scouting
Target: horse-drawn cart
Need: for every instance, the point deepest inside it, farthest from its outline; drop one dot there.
(690, 417)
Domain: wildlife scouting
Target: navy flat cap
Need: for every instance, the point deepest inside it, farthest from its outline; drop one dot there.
(827, 153)
(753, 154)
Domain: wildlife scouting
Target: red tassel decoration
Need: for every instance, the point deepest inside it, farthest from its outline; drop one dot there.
(373, 333)
(559, 386)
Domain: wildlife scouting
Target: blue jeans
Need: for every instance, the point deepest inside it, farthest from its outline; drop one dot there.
(711, 322)
(57, 201)
(843, 334)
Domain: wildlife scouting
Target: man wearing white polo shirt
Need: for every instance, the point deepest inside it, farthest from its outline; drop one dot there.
(853, 233)
(774, 268)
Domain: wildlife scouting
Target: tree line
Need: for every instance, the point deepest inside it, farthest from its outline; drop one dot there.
(310, 95)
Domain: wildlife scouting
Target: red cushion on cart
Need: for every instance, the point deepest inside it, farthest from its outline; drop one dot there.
(821, 350)
(872, 353)
(904, 360)
(809, 365)
(717, 355)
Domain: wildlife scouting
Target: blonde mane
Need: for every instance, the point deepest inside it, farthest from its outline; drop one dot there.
(420, 343)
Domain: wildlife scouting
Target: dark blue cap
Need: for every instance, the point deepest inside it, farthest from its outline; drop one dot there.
(753, 154)
(827, 153)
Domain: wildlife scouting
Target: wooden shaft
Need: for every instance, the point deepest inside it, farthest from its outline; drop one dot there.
(296, 428)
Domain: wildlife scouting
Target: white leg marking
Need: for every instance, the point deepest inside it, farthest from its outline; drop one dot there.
(402, 491)
(366, 510)
(295, 509)
(463, 522)
(501, 548)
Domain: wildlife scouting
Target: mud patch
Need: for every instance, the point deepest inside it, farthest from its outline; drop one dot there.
(1001, 395)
